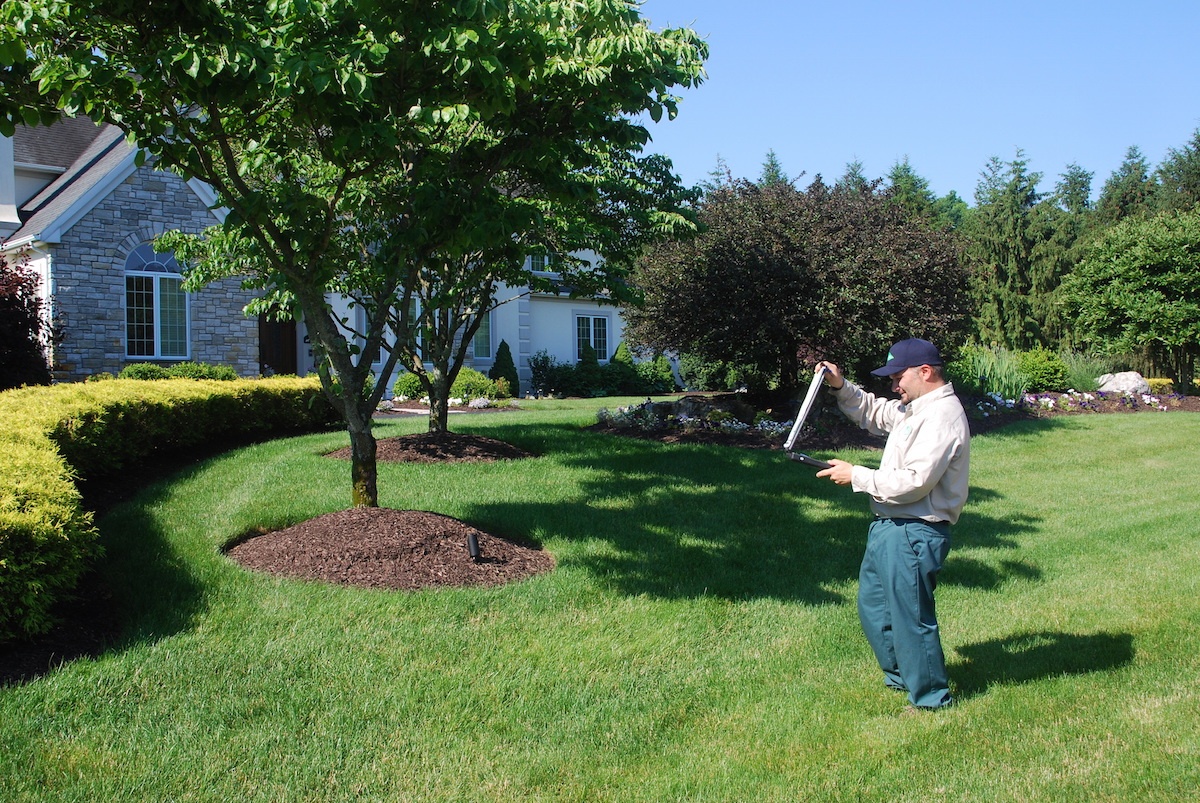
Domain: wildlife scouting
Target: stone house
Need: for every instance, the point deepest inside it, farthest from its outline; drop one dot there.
(77, 207)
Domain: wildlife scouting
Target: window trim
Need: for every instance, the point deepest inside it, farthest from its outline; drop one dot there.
(592, 317)
(142, 262)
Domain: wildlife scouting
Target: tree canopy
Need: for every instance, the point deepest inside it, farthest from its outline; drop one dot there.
(1138, 287)
(357, 144)
(780, 277)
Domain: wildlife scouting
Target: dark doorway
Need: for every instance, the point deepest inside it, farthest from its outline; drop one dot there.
(276, 346)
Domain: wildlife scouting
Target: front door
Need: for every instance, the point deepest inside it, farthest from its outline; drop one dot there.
(276, 346)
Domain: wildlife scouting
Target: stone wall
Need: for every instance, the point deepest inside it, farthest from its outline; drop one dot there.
(88, 289)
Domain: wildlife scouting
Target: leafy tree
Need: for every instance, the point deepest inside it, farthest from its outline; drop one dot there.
(358, 144)
(779, 277)
(1128, 190)
(1139, 288)
(950, 211)
(1178, 177)
(23, 328)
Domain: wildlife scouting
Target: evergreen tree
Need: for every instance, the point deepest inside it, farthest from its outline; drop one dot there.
(1003, 237)
(910, 190)
(854, 179)
(1128, 190)
(772, 171)
(1178, 186)
(504, 368)
(1062, 223)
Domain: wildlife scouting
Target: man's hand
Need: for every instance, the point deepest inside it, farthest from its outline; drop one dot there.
(839, 471)
(833, 376)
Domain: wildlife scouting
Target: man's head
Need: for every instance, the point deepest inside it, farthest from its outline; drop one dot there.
(915, 367)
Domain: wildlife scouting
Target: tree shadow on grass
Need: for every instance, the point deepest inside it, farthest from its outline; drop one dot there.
(685, 520)
(1026, 657)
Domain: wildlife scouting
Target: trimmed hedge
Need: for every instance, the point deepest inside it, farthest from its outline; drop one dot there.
(53, 436)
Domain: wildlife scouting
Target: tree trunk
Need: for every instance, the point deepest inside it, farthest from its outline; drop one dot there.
(364, 473)
(439, 406)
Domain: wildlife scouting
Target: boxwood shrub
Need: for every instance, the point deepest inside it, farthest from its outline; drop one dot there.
(55, 436)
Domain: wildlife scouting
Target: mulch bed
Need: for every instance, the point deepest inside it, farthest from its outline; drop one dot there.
(392, 549)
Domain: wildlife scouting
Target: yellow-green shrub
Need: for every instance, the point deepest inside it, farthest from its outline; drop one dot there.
(1160, 385)
(54, 435)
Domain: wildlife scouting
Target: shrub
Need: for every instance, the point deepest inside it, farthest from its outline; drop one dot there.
(1160, 386)
(22, 329)
(408, 385)
(200, 370)
(182, 370)
(544, 370)
(657, 374)
(588, 378)
(471, 384)
(1044, 369)
(504, 368)
(710, 375)
(89, 430)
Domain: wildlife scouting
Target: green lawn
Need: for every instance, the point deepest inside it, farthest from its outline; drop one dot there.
(698, 640)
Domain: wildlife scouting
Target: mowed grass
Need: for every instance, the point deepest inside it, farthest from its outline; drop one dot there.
(698, 640)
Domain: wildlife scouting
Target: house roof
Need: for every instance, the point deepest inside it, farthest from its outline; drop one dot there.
(56, 147)
(63, 201)
(93, 168)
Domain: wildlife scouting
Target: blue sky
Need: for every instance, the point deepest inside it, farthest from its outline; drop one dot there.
(946, 84)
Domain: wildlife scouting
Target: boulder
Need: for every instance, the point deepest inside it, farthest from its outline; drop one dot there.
(1125, 382)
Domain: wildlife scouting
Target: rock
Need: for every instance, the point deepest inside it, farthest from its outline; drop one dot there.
(1126, 382)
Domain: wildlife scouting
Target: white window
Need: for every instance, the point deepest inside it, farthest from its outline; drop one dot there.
(542, 262)
(591, 330)
(156, 307)
(483, 338)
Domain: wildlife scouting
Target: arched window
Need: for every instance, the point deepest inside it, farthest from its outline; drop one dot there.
(156, 308)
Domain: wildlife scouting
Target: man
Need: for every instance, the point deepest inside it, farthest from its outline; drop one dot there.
(917, 492)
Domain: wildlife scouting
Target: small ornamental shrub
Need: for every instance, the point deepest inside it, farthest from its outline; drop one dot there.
(1160, 386)
(1045, 370)
(143, 370)
(504, 368)
(471, 384)
(200, 370)
(657, 375)
(408, 386)
(541, 366)
(22, 329)
(183, 370)
(588, 378)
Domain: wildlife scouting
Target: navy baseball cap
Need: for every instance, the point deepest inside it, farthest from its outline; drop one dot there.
(909, 353)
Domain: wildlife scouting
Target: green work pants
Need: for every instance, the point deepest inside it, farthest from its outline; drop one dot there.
(895, 605)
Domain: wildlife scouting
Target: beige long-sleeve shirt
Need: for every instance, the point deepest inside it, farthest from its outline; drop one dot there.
(923, 471)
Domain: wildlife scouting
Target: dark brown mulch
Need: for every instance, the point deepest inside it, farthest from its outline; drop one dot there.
(447, 447)
(374, 547)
